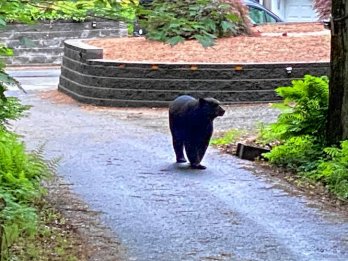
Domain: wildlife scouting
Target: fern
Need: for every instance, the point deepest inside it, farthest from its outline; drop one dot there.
(304, 109)
(334, 171)
(10, 108)
(300, 133)
(297, 153)
(21, 174)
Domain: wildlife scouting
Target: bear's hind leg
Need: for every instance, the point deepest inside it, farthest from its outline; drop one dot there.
(179, 150)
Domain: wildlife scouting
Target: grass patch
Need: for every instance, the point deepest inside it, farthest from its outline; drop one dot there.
(227, 137)
(55, 239)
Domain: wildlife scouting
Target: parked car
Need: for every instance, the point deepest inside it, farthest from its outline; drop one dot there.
(258, 14)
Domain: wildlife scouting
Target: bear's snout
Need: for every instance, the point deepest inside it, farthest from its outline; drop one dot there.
(221, 112)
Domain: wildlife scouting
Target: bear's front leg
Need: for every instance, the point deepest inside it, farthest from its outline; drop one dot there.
(192, 153)
(199, 166)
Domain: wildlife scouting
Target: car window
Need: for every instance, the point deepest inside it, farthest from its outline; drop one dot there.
(269, 18)
(259, 16)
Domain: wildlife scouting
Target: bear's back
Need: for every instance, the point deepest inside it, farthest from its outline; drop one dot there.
(182, 106)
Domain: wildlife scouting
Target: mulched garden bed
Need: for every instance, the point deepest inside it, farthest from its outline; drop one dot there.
(282, 42)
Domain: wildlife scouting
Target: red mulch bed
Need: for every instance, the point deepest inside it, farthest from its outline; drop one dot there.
(289, 42)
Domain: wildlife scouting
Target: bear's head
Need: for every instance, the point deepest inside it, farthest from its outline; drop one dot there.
(211, 107)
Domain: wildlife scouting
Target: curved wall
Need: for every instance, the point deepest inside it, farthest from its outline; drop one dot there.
(88, 78)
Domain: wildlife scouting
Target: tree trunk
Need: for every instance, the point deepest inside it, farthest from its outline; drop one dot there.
(337, 125)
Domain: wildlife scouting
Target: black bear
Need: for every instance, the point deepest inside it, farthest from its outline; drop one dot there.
(191, 125)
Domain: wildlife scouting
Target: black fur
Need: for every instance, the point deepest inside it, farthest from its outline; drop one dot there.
(191, 125)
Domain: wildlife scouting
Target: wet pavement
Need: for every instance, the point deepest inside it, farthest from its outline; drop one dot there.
(120, 161)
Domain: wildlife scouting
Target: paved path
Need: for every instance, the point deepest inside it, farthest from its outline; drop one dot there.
(121, 163)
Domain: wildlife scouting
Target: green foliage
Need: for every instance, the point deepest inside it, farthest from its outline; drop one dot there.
(297, 153)
(300, 134)
(21, 173)
(28, 11)
(304, 110)
(20, 177)
(333, 171)
(10, 108)
(228, 138)
(55, 239)
(204, 20)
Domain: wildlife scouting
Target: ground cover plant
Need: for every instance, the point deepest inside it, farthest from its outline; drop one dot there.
(28, 229)
(298, 138)
(23, 216)
(27, 224)
(300, 132)
(204, 20)
(227, 138)
(20, 189)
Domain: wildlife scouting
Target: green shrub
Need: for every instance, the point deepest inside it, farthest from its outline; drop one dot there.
(304, 110)
(204, 20)
(20, 177)
(10, 107)
(28, 11)
(296, 153)
(300, 133)
(333, 171)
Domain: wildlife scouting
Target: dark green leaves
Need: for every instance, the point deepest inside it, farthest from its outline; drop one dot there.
(205, 40)
(304, 108)
(2, 22)
(204, 20)
(175, 40)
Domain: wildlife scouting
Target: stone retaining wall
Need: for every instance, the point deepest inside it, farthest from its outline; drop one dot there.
(88, 78)
(43, 43)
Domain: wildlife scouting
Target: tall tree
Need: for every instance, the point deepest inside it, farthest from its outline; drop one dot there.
(337, 125)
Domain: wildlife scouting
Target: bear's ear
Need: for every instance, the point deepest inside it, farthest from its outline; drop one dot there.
(202, 101)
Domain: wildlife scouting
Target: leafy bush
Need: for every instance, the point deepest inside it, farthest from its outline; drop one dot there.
(10, 107)
(20, 177)
(296, 153)
(304, 110)
(334, 171)
(300, 132)
(26, 11)
(204, 20)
